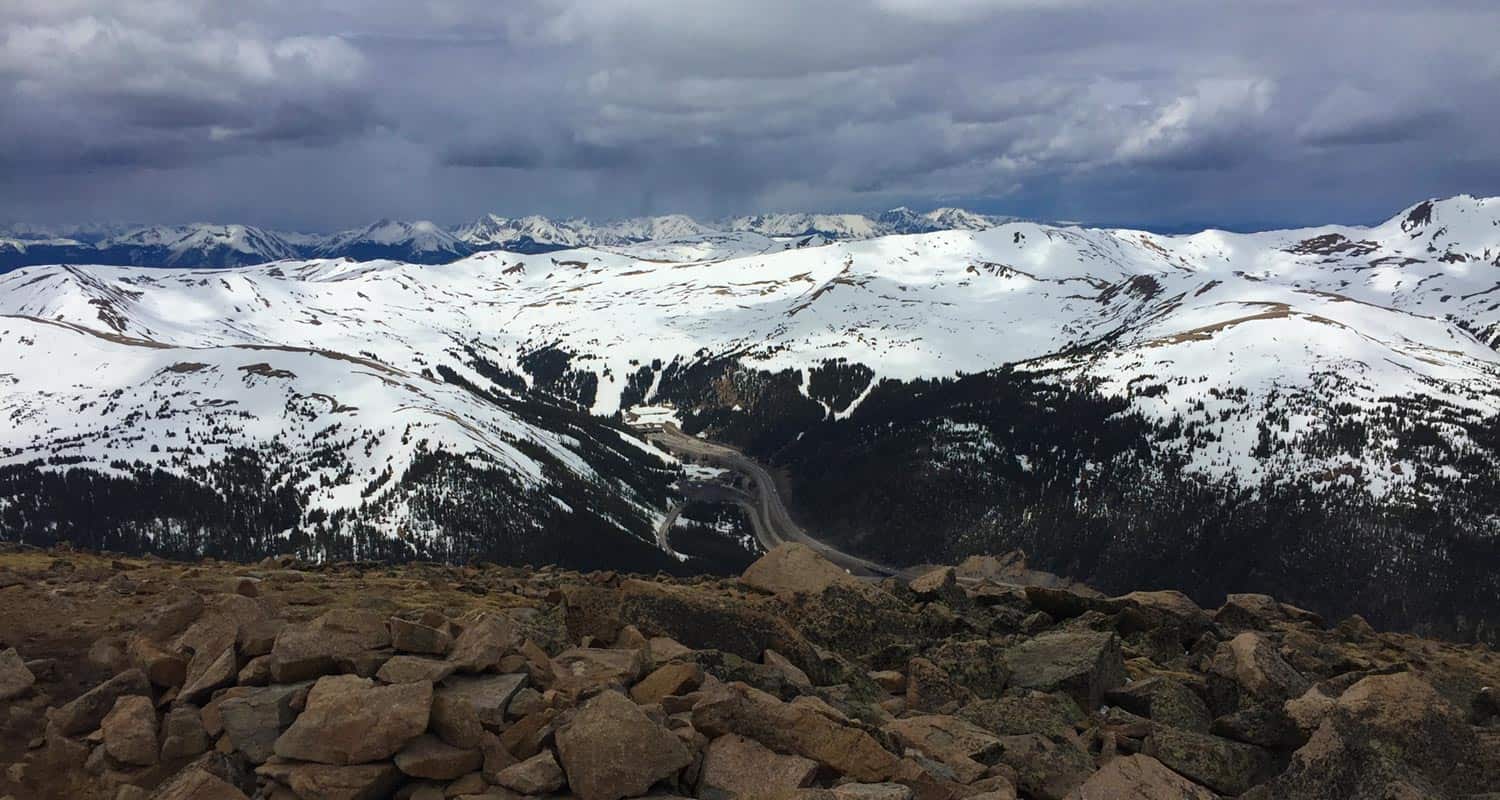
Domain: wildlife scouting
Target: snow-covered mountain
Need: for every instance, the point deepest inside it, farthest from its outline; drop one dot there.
(208, 245)
(1357, 361)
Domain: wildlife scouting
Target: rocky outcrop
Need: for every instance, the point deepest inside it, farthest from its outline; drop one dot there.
(358, 682)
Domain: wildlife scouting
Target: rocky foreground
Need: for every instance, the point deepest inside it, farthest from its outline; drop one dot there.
(127, 679)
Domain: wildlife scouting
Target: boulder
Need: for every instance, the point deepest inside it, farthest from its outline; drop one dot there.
(487, 695)
(962, 746)
(580, 670)
(793, 567)
(937, 584)
(612, 749)
(1083, 664)
(1044, 768)
(1164, 700)
(1387, 736)
(795, 728)
(429, 757)
(484, 641)
(197, 783)
(411, 669)
(333, 643)
(706, 620)
(329, 782)
(1224, 766)
(1052, 715)
(591, 611)
(735, 766)
(874, 791)
(929, 688)
(130, 731)
(672, 679)
(351, 720)
(182, 734)
(255, 719)
(1247, 670)
(1246, 612)
(211, 640)
(414, 637)
(977, 665)
(181, 609)
(455, 720)
(537, 775)
(1138, 777)
(1165, 608)
(793, 675)
(164, 668)
(87, 711)
(15, 678)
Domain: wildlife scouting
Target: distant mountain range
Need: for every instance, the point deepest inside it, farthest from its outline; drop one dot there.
(214, 245)
(1313, 412)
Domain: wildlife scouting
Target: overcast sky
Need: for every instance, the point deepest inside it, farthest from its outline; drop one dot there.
(321, 114)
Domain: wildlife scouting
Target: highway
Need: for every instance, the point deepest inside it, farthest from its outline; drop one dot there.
(768, 513)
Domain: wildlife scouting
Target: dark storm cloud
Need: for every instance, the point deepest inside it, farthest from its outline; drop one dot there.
(332, 112)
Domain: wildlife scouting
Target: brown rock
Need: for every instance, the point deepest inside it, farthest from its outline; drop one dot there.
(255, 719)
(213, 665)
(794, 676)
(793, 567)
(734, 766)
(937, 584)
(1139, 777)
(15, 678)
(414, 637)
(1084, 664)
(487, 695)
(929, 689)
(496, 757)
(537, 775)
(583, 669)
(455, 720)
(332, 643)
(1387, 736)
(873, 791)
(163, 667)
(327, 782)
(484, 642)
(1247, 670)
(526, 737)
(350, 720)
(130, 731)
(794, 728)
(964, 747)
(1224, 766)
(411, 669)
(87, 711)
(182, 734)
(672, 679)
(1046, 769)
(611, 749)
(197, 783)
(427, 756)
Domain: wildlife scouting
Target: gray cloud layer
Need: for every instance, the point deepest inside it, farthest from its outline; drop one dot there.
(330, 112)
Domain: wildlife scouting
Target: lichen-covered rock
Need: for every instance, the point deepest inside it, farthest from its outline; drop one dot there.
(1138, 777)
(1083, 664)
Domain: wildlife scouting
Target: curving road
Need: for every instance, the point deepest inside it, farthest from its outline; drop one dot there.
(768, 513)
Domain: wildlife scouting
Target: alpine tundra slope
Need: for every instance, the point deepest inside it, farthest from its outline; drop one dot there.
(1326, 396)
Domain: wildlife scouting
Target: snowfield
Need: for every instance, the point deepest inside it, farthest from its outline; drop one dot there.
(1219, 331)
